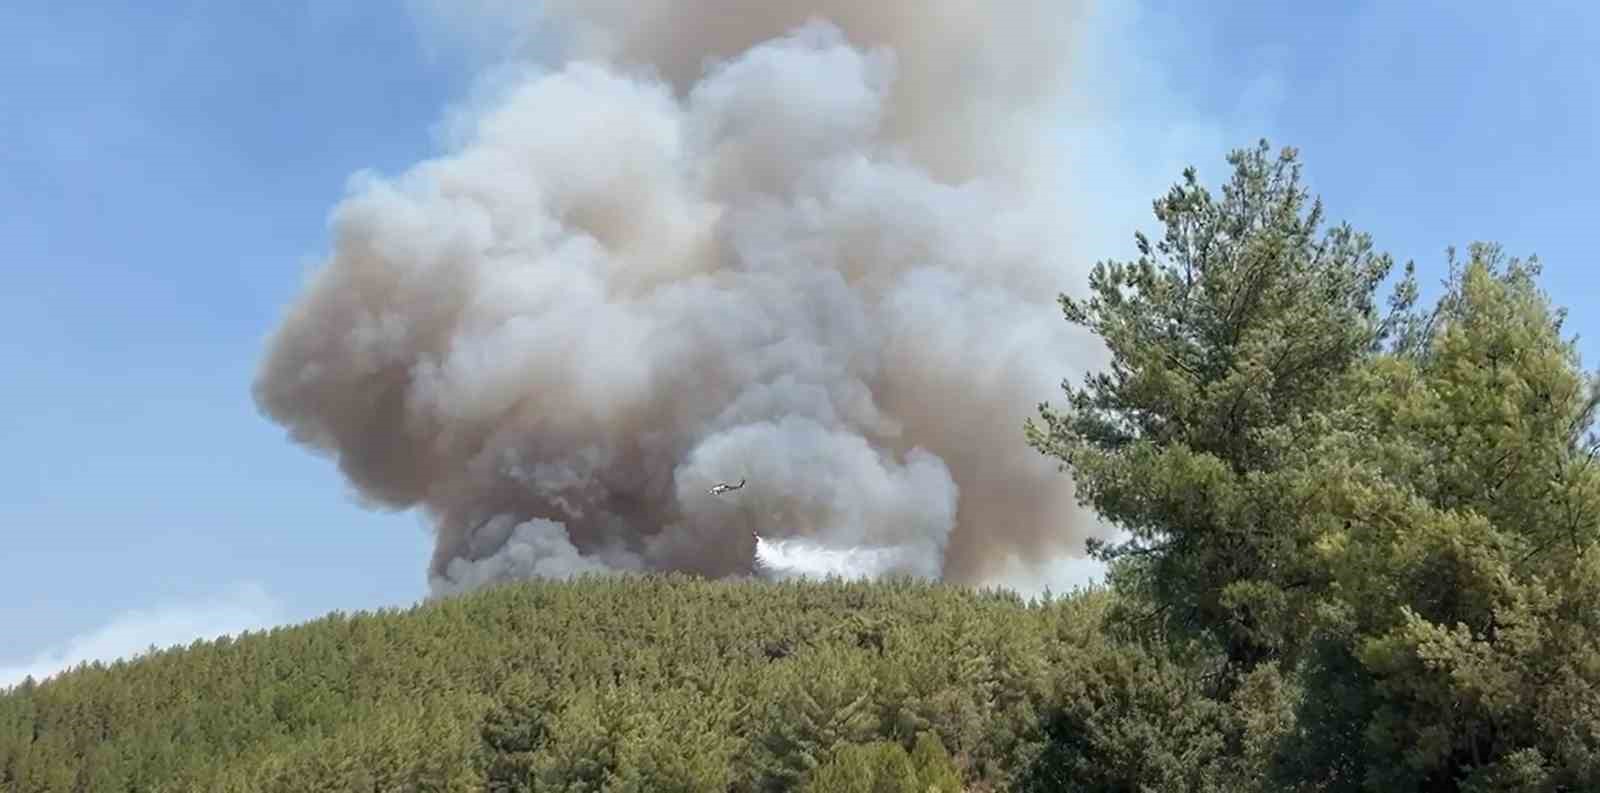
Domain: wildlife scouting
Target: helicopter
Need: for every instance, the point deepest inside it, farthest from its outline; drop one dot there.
(723, 487)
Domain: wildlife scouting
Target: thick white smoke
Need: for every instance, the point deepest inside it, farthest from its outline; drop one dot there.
(811, 245)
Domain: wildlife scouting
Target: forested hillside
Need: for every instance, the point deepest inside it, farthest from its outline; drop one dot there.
(661, 683)
(1361, 557)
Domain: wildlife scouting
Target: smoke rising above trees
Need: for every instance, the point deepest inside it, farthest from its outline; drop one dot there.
(815, 246)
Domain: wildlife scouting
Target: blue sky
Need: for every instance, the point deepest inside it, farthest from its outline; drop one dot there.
(166, 172)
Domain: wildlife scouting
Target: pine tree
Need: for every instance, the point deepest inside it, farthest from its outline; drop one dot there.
(1230, 341)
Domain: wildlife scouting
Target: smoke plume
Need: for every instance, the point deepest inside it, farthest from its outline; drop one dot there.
(813, 245)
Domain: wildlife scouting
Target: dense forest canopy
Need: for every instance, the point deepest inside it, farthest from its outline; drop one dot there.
(1390, 510)
(1361, 557)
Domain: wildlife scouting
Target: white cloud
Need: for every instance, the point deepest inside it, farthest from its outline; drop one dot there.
(132, 633)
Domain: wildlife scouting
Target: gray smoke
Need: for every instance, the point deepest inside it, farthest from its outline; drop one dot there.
(812, 245)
